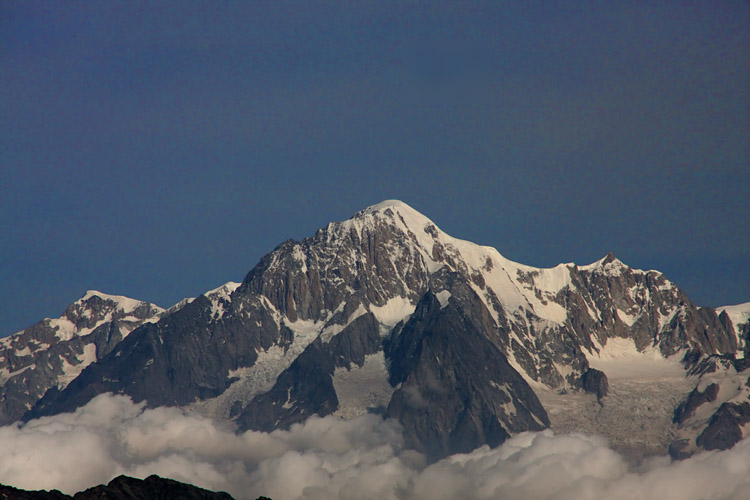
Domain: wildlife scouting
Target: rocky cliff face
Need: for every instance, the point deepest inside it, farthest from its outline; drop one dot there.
(549, 317)
(52, 352)
(716, 414)
(469, 335)
(185, 356)
(456, 389)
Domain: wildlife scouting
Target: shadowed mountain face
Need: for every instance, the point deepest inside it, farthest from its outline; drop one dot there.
(452, 376)
(455, 337)
(49, 354)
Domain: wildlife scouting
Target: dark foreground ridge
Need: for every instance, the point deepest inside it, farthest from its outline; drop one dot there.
(123, 488)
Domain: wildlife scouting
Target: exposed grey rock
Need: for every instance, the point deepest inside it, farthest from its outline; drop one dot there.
(49, 354)
(616, 290)
(677, 449)
(306, 387)
(713, 418)
(482, 324)
(185, 356)
(687, 408)
(302, 390)
(723, 430)
(595, 382)
(457, 391)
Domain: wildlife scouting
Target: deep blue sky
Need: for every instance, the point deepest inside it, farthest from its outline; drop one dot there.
(159, 149)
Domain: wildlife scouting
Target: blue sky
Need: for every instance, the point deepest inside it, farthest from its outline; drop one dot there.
(159, 149)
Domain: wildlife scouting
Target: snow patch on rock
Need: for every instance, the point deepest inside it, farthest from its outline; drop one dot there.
(443, 298)
(219, 297)
(260, 377)
(393, 311)
(619, 358)
(72, 370)
(739, 315)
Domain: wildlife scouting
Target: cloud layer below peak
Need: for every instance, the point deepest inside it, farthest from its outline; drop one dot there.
(329, 458)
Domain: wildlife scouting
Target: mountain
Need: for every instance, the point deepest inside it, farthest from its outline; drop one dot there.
(386, 313)
(717, 410)
(52, 352)
(122, 488)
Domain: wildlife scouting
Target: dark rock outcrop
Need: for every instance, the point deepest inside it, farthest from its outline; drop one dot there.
(184, 357)
(306, 387)
(687, 408)
(677, 449)
(151, 488)
(723, 430)
(457, 390)
(11, 493)
(595, 382)
(49, 354)
(123, 488)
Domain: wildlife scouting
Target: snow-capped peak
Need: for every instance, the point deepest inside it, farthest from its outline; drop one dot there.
(611, 265)
(220, 297)
(224, 290)
(87, 313)
(406, 215)
(607, 263)
(516, 285)
(126, 304)
(217, 295)
(397, 204)
(739, 314)
(743, 308)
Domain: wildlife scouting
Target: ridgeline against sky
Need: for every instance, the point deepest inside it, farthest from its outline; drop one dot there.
(156, 150)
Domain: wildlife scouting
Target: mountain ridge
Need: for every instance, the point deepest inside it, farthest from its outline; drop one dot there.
(52, 352)
(123, 488)
(248, 350)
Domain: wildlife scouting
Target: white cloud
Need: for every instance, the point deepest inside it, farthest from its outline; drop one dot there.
(329, 458)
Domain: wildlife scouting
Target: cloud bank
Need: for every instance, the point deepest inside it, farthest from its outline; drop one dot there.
(328, 458)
